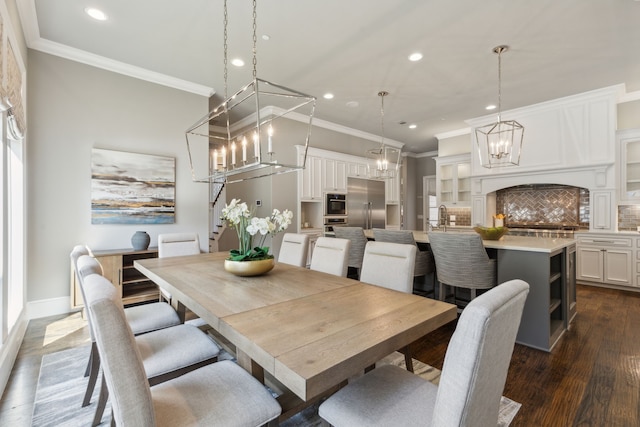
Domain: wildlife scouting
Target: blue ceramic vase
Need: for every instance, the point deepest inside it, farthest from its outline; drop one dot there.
(140, 240)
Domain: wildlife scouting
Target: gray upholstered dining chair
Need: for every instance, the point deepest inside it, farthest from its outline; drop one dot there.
(142, 318)
(167, 353)
(219, 394)
(176, 244)
(358, 242)
(390, 265)
(331, 255)
(424, 258)
(462, 261)
(294, 249)
(471, 383)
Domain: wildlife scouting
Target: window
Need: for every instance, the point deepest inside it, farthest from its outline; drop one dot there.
(12, 185)
(12, 230)
(15, 228)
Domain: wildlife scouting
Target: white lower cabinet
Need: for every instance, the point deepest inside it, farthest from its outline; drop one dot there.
(606, 259)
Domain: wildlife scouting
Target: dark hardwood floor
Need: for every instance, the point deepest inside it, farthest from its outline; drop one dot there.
(591, 378)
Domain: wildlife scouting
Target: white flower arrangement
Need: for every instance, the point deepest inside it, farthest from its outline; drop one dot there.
(238, 216)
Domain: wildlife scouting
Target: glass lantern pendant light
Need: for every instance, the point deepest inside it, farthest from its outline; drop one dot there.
(500, 143)
(250, 134)
(384, 161)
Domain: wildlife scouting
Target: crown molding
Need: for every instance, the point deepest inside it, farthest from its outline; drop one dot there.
(422, 155)
(628, 97)
(355, 132)
(29, 20)
(98, 61)
(453, 133)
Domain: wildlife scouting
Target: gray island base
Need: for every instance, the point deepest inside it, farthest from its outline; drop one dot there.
(549, 266)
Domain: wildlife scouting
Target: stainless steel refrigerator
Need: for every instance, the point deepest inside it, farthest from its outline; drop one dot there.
(365, 203)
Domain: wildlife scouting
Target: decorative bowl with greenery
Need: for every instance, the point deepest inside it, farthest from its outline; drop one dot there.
(491, 233)
(250, 227)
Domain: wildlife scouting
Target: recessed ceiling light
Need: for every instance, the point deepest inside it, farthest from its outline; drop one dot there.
(490, 107)
(266, 37)
(328, 96)
(412, 126)
(352, 104)
(96, 14)
(417, 56)
(237, 62)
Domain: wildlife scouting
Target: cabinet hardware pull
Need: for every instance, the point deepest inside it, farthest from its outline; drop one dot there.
(603, 241)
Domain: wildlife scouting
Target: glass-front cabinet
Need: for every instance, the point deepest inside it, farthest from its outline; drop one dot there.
(453, 180)
(629, 162)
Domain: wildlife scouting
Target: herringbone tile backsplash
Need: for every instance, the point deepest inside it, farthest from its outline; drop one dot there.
(544, 203)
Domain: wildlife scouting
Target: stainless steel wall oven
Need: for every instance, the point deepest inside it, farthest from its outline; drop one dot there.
(335, 204)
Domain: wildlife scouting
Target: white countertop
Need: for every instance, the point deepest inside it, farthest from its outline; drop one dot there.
(622, 233)
(517, 243)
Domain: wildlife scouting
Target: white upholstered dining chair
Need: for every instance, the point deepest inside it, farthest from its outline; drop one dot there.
(176, 244)
(142, 318)
(331, 255)
(390, 265)
(219, 394)
(167, 353)
(471, 383)
(294, 249)
(424, 258)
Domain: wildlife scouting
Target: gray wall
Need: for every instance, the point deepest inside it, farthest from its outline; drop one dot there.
(72, 108)
(280, 192)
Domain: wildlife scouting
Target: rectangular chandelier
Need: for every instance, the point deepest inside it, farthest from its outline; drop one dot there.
(251, 134)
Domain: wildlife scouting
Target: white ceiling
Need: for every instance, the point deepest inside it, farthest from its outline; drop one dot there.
(356, 48)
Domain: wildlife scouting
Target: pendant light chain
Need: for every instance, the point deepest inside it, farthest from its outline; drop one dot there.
(382, 94)
(500, 49)
(233, 130)
(226, 22)
(255, 39)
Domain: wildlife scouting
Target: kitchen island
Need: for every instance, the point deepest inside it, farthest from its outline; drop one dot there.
(549, 266)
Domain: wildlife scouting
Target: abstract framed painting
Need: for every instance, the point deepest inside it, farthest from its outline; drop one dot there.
(132, 188)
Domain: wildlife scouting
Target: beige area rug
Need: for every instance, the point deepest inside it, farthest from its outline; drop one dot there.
(61, 387)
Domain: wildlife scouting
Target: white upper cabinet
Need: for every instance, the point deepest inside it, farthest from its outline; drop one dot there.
(310, 180)
(453, 180)
(628, 157)
(357, 170)
(392, 190)
(335, 175)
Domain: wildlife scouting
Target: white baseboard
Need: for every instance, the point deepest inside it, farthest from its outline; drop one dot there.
(48, 307)
(9, 351)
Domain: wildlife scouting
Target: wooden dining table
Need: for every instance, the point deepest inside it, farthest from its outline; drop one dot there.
(309, 330)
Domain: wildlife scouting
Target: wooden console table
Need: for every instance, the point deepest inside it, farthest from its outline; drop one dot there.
(118, 268)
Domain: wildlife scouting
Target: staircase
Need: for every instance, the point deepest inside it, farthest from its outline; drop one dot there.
(217, 201)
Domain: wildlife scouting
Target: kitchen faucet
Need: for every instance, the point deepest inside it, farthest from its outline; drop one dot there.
(442, 218)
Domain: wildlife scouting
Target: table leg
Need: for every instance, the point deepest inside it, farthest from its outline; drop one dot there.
(249, 365)
(181, 309)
